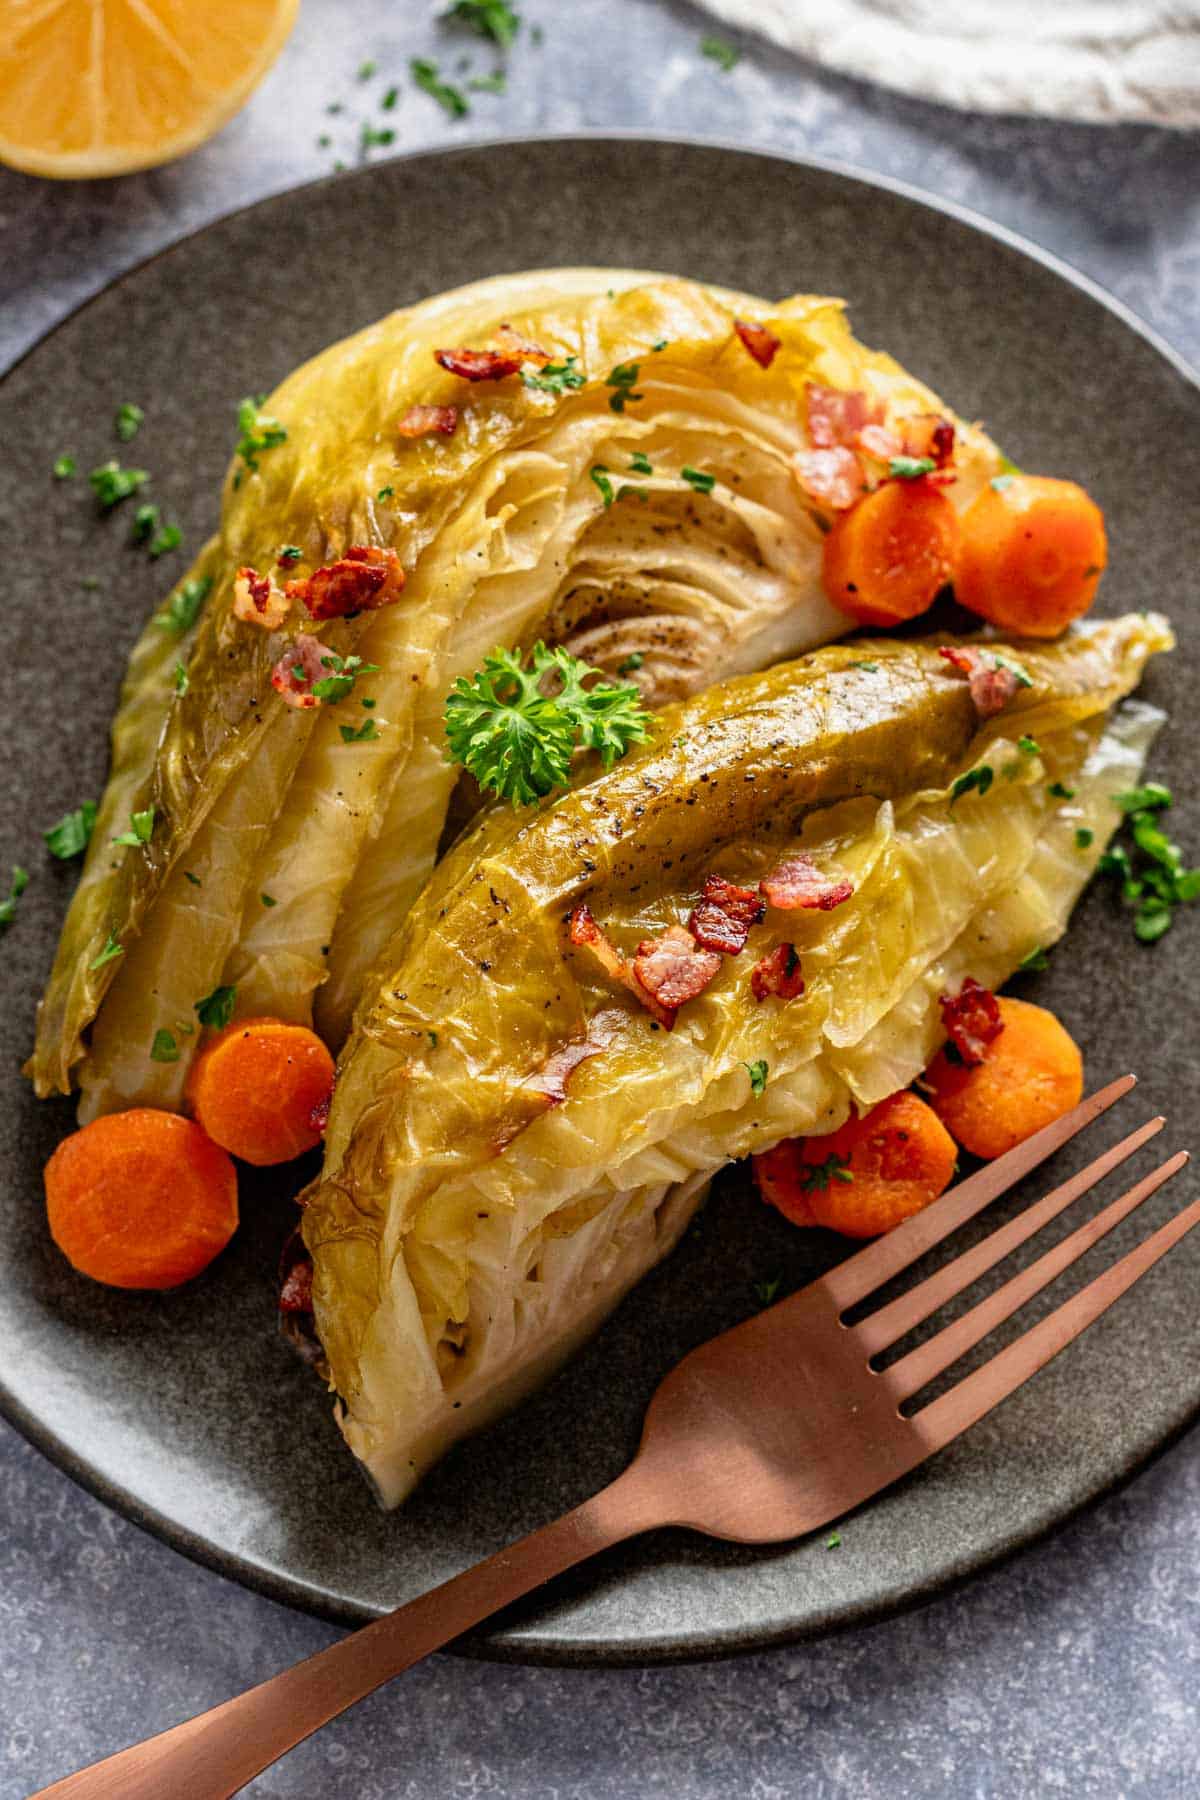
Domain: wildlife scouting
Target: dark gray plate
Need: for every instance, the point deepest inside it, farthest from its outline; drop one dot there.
(185, 1411)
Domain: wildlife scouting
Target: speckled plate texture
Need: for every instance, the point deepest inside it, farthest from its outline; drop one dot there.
(185, 1410)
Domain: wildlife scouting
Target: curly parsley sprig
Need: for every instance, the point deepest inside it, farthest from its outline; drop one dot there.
(518, 740)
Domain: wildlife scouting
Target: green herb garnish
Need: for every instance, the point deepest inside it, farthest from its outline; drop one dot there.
(450, 99)
(599, 475)
(493, 19)
(495, 83)
(1035, 962)
(345, 672)
(216, 1009)
(518, 741)
(1085, 837)
(164, 1049)
(169, 538)
(8, 908)
(725, 55)
(376, 135)
(72, 833)
(870, 667)
(817, 1176)
(1029, 746)
(640, 463)
(194, 879)
(390, 98)
(180, 612)
(364, 734)
(834, 1541)
(291, 553)
(910, 468)
(981, 779)
(757, 1072)
(1153, 879)
(141, 829)
(765, 1291)
(111, 483)
(1153, 797)
(366, 70)
(698, 479)
(257, 431)
(63, 467)
(268, 900)
(622, 378)
(632, 662)
(144, 521)
(128, 418)
(553, 378)
(181, 678)
(1058, 790)
(113, 948)
(385, 493)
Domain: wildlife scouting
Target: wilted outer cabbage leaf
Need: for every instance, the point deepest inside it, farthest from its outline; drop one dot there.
(505, 537)
(465, 1234)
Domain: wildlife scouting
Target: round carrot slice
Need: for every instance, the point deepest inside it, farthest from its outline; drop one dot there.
(1031, 1074)
(870, 1175)
(887, 557)
(1033, 551)
(141, 1199)
(256, 1087)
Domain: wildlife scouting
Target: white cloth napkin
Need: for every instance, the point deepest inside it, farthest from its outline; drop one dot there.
(1104, 61)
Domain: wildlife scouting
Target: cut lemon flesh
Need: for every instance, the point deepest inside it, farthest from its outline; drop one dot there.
(102, 87)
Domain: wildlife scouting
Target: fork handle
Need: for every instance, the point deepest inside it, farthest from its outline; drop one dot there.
(213, 1755)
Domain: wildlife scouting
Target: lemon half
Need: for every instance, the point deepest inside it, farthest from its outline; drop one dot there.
(101, 87)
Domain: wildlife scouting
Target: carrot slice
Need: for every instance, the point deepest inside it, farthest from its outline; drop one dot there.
(873, 1173)
(1033, 551)
(256, 1086)
(1031, 1074)
(141, 1199)
(887, 557)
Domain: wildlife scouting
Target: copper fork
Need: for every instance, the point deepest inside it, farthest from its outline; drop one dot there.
(771, 1430)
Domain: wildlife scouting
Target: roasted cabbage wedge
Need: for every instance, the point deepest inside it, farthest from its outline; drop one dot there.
(480, 1209)
(505, 535)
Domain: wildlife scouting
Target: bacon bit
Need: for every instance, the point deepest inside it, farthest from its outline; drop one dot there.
(929, 434)
(584, 930)
(258, 601)
(303, 653)
(723, 915)
(318, 1118)
(296, 1300)
(363, 580)
(511, 343)
(838, 416)
(552, 1078)
(831, 477)
(992, 684)
(296, 1294)
(425, 421)
(972, 1019)
(879, 441)
(761, 343)
(478, 365)
(798, 883)
(673, 968)
(778, 972)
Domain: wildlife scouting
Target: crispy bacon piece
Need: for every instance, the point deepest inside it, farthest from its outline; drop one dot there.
(479, 365)
(297, 669)
(833, 477)
(363, 580)
(778, 972)
(879, 441)
(992, 684)
(798, 883)
(429, 421)
(296, 1293)
(663, 973)
(258, 601)
(929, 434)
(838, 415)
(295, 1300)
(673, 968)
(972, 1019)
(761, 343)
(722, 917)
(552, 1078)
(511, 343)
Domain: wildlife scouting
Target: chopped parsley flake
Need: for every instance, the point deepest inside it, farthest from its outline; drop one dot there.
(169, 538)
(870, 667)
(627, 492)
(622, 379)
(631, 663)
(554, 378)
(757, 1072)
(1153, 797)
(1085, 837)
(364, 734)
(128, 418)
(640, 463)
(268, 900)
(765, 1291)
(72, 833)
(257, 431)
(1023, 677)
(290, 553)
(1035, 962)
(834, 1541)
(495, 83)
(141, 828)
(981, 779)
(698, 479)
(366, 70)
(1153, 879)
(390, 98)
(910, 468)
(385, 493)
(1059, 791)
(112, 949)
(599, 475)
(164, 1049)
(181, 678)
(111, 483)
(1029, 746)
(63, 467)
(725, 55)
(375, 135)
(817, 1176)
(451, 99)
(493, 19)
(324, 141)
(345, 672)
(144, 521)
(216, 1009)
(8, 908)
(194, 879)
(181, 610)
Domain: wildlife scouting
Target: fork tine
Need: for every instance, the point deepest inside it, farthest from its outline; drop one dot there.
(950, 1414)
(890, 1323)
(855, 1278)
(911, 1372)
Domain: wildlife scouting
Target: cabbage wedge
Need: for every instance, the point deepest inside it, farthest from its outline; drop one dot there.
(566, 506)
(475, 1217)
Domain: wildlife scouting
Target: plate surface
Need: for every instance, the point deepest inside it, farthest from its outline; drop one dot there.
(186, 1411)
